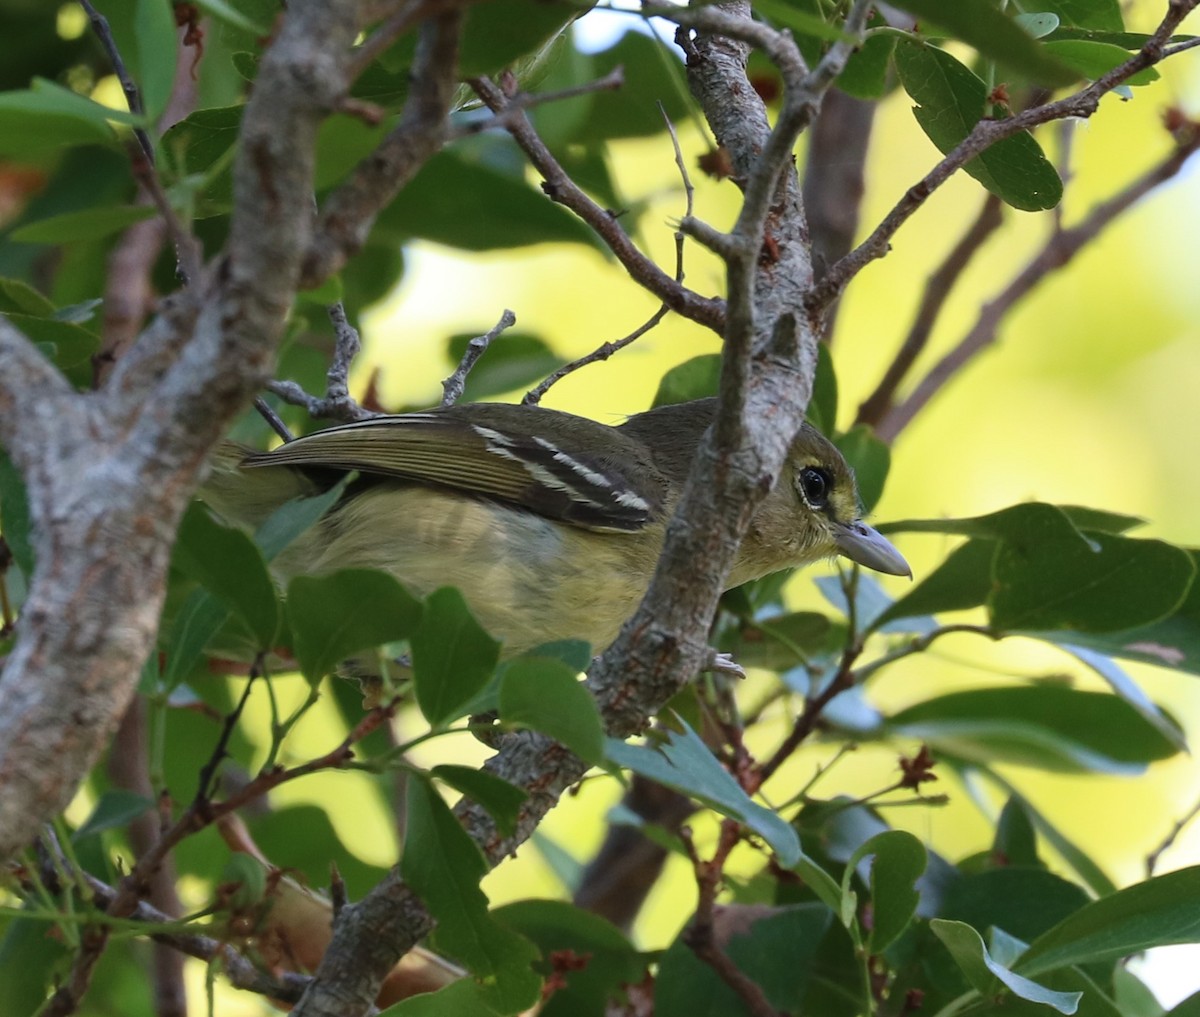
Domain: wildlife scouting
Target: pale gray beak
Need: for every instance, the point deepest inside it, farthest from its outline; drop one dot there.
(860, 543)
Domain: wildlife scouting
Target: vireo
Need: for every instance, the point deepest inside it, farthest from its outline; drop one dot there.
(550, 524)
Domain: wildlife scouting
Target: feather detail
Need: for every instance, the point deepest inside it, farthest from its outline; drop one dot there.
(557, 465)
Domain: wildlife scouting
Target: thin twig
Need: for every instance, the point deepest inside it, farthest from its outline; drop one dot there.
(611, 82)
(1057, 252)
(133, 95)
(561, 188)
(688, 190)
(1180, 47)
(242, 974)
(453, 386)
(390, 30)
(336, 403)
(350, 211)
(1169, 840)
(982, 136)
(273, 419)
(347, 345)
(937, 291)
(186, 246)
(598, 355)
(203, 812)
(602, 353)
(189, 262)
(699, 934)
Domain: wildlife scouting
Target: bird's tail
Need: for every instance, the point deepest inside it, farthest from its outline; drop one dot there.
(247, 497)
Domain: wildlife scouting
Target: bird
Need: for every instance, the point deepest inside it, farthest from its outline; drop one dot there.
(550, 524)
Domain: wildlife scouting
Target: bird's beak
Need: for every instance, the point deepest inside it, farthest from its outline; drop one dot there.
(860, 543)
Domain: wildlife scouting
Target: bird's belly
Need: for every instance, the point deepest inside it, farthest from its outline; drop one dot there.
(527, 580)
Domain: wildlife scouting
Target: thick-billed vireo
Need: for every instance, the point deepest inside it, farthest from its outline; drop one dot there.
(550, 524)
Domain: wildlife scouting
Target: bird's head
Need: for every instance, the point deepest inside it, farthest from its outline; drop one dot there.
(814, 513)
(823, 493)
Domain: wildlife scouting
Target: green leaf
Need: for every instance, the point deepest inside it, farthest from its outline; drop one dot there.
(612, 961)
(116, 807)
(950, 101)
(1083, 518)
(1023, 901)
(1190, 1007)
(17, 297)
(443, 865)
(1126, 40)
(779, 642)
(1048, 575)
(500, 31)
(652, 73)
(230, 15)
(995, 35)
(515, 360)
(788, 15)
(15, 523)
(962, 581)
(545, 694)
(683, 762)
(1173, 642)
(41, 120)
(343, 142)
(88, 224)
(295, 517)
(1039, 25)
(157, 50)
(501, 799)
(463, 998)
(1049, 726)
(197, 622)
(1125, 687)
(1101, 14)
(870, 459)
(1015, 842)
(865, 75)
(967, 949)
(899, 861)
(693, 379)
(1095, 59)
(1104, 584)
(226, 562)
(823, 406)
(337, 615)
(1025, 523)
(453, 657)
(1157, 912)
(776, 948)
(73, 345)
(201, 138)
(474, 207)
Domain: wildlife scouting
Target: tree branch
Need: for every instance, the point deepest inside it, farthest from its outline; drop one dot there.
(350, 211)
(108, 475)
(985, 134)
(452, 387)
(562, 189)
(937, 291)
(1062, 246)
(337, 402)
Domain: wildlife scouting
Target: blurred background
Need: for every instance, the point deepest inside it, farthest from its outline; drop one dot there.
(1089, 397)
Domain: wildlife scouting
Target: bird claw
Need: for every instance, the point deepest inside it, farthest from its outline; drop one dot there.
(722, 663)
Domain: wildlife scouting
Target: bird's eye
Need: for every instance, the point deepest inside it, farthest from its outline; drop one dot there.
(815, 485)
